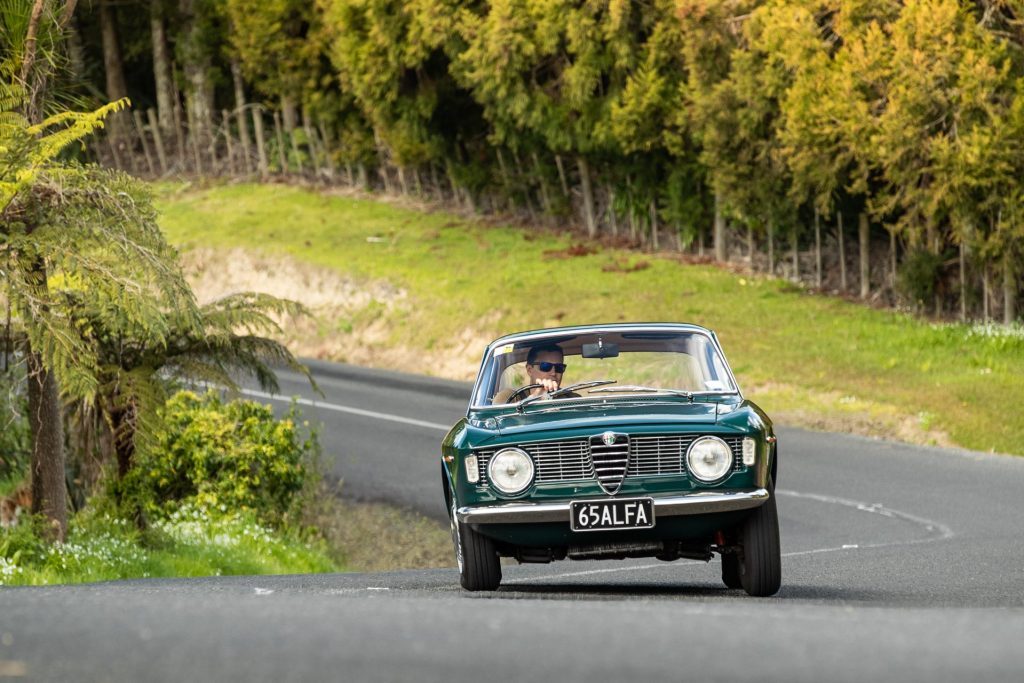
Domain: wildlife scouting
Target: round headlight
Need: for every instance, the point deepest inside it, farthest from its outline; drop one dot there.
(510, 471)
(709, 458)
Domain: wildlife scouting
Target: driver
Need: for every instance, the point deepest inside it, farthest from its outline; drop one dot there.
(544, 366)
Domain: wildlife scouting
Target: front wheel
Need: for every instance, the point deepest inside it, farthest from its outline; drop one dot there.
(761, 563)
(479, 566)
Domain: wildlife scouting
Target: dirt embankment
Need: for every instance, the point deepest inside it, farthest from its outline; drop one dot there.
(350, 320)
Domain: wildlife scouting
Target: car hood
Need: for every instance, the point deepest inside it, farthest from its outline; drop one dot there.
(601, 416)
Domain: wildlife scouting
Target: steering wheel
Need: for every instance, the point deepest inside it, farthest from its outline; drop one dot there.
(514, 396)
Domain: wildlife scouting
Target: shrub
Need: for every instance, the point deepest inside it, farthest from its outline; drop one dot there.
(918, 276)
(224, 456)
(15, 445)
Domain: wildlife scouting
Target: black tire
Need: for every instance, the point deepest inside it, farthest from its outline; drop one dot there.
(479, 566)
(731, 570)
(761, 562)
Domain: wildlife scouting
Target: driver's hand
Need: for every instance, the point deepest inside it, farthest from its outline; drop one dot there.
(546, 386)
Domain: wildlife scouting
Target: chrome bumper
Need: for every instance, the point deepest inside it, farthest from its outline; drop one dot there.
(698, 503)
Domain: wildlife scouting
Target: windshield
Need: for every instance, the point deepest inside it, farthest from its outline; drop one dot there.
(616, 364)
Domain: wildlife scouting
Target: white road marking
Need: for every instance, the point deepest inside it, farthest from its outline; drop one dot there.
(943, 531)
(264, 591)
(347, 409)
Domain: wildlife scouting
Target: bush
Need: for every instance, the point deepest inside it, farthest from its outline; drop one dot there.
(225, 456)
(918, 276)
(15, 445)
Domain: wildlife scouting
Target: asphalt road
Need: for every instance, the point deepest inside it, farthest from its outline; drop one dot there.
(899, 563)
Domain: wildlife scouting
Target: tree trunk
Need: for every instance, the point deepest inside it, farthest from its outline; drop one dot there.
(240, 114)
(986, 313)
(282, 155)
(864, 230)
(401, 181)
(842, 251)
(561, 176)
(46, 425)
(113, 68)
(76, 51)
(506, 182)
(225, 117)
(750, 245)
(261, 148)
(771, 248)
(434, 179)
(796, 253)
(588, 197)
(613, 220)
(162, 77)
(141, 128)
(158, 138)
(654, 225)
(124, 439)
(963, 284)
(1009, 289)
(892, 260)
(721, 249)
(544, 197)
(817, 249)
(289, 114)
(195, 54)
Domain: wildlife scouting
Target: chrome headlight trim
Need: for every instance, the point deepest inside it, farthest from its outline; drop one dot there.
(698, 465)
(508, 482)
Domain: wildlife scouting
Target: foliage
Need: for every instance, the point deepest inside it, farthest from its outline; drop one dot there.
(191, 541)
(15, 444)
(768, 111)
(918, 275)
(232, 456)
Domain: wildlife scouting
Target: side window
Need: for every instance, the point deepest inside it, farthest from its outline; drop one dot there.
(513, 377)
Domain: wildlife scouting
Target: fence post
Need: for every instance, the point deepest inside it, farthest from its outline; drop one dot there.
(261, 150)
(158, 139)
(281, 156)
(141, 129)
(226, 122)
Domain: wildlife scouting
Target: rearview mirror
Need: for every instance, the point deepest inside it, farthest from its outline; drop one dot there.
(600, 350)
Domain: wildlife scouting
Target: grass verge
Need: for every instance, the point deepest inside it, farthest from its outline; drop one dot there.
(369, 537)
(191, 542)
(812, 360)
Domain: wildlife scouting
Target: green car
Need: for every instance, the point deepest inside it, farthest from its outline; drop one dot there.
(608, 442)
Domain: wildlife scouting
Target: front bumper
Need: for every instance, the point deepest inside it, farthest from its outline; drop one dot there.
(698, 503)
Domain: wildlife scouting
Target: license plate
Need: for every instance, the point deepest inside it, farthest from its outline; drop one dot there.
(601, 515)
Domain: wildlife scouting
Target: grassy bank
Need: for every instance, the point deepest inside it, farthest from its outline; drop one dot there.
(192, 542)
(447, 284)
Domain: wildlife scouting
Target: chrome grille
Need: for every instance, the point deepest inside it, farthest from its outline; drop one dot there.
(650, 455)
(554, 460)
(610, 454)
(654, 455)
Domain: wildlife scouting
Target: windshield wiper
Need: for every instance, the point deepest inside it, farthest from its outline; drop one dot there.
(635, 387)
(564, 390)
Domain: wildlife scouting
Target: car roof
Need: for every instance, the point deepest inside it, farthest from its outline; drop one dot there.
(557, 332)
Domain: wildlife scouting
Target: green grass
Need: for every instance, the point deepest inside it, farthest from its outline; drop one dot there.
(807, 359)
(190, 543)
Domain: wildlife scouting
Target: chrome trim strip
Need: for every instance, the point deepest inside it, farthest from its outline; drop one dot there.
(697, 503)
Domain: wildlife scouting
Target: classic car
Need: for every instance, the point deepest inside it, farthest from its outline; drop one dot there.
(610, 442)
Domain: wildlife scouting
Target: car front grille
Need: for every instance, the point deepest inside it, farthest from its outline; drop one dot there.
(650, 455)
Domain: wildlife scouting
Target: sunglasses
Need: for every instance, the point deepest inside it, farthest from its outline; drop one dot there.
(546, 366)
